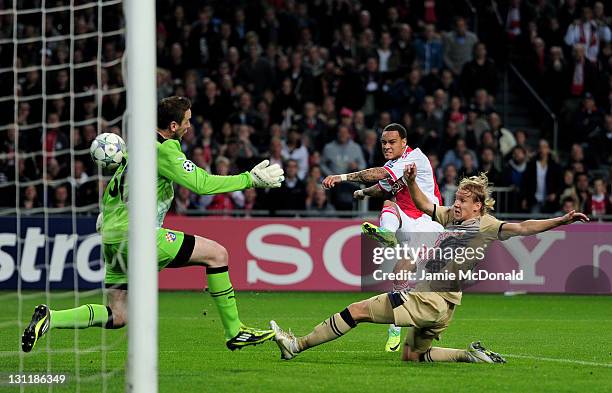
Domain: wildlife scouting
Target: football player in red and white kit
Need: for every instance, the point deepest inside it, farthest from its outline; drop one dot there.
(400, 220)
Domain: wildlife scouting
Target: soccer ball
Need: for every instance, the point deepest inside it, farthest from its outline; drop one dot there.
(108, 150)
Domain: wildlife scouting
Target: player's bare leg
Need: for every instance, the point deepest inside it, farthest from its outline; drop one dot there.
(214, 257)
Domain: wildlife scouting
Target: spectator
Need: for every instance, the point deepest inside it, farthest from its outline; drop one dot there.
(569, 186)
(371, 149)
(599, 204)
(404, 48)
(504, 137)
(482, 103)
(589, 33)
(556, 78)
(295, 150)
(449, 139)
(455, 156)
(521, 140)
(518, 16)
(458, 46)
(468, 168)
(373, 82)
(407, 95)
(214, 107)
(346, 47)
(568, 13)
(292, 193)
(542, 182)
(455, 113)
(61, 197)
(513, 174)
(583, 192)
(429, 52)
(275, 155)
(85, 188)
(313, 126)
(428, 117)
(479, 73)
(302, 79)
(285, 105)
(30, 199)
(245, 113)
(582, 72)
(601, 141)
(487, 164)
(320, 204)
(388, 59)
(342, 155)
(568, 204)
(448, 188)
(589, 119)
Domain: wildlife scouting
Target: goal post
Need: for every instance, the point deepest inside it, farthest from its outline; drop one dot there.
(142, 180)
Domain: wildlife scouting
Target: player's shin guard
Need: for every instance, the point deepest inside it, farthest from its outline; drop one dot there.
(436, 354)
(82, 317)
(222, 292)
(330, 329)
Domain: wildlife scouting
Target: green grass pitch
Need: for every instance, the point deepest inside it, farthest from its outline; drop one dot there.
(552, 343)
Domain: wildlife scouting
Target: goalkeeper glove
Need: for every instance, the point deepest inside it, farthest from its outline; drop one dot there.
(264, 175)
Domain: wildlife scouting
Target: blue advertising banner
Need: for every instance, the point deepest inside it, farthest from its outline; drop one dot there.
(64, 249)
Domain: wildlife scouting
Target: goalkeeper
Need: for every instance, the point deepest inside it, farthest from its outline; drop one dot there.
(174, 248)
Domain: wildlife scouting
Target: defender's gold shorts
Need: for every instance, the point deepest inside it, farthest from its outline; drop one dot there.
(428, 313)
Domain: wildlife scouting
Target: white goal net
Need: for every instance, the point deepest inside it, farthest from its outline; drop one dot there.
(61, 84)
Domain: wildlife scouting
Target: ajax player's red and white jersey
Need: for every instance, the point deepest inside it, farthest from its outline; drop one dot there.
(425, 178)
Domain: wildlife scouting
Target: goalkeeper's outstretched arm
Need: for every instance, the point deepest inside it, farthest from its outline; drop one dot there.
(174, 165)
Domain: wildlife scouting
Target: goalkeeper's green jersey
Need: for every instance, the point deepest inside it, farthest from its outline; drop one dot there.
(172, 166)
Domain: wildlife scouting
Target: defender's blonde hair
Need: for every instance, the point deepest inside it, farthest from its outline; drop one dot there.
(478, 187)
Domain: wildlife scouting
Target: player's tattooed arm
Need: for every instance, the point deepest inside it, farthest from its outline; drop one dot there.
(365, 176)
(374, 191)
(368, 175)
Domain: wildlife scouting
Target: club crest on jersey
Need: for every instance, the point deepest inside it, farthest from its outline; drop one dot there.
(188, 166)
(170, 237)
(396, 186)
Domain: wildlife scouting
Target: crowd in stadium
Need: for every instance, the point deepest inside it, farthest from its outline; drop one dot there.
(311, 84)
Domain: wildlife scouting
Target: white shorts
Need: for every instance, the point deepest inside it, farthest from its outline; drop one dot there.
(418, 231)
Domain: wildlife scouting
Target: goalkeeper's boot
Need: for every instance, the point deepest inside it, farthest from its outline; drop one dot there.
(248, 336)
(383, 236)
(480, 354)
(39, 325)
(286, 341)
(394, 339)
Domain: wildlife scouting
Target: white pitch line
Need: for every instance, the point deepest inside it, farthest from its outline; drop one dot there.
(545, 359)
(560, 360)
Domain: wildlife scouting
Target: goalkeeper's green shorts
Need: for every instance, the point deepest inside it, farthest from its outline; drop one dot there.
(174, 248)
